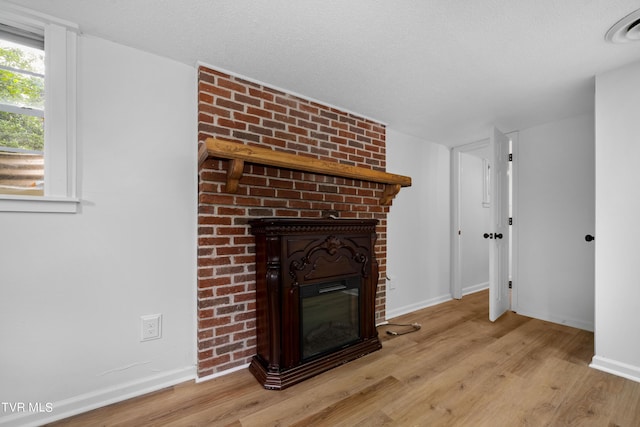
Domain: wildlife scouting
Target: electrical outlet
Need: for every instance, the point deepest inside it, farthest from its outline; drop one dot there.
(150, 327)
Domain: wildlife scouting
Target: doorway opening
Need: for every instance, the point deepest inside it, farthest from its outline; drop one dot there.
(471, 230)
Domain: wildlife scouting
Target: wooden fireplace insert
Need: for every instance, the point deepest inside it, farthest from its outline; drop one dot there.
(316, 284)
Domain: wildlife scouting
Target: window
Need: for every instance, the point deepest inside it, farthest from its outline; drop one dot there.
(37, 112)
(21, 113)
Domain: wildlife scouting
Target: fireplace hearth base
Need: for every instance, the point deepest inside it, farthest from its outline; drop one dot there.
(278, 380)
(316, 283)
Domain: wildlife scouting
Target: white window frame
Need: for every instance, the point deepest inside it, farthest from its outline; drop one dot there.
(60, 188)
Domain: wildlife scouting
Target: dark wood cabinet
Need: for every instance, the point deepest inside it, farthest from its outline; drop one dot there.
(316, 285)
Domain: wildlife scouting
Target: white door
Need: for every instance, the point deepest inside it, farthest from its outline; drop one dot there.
(499, 233)
(555, 187)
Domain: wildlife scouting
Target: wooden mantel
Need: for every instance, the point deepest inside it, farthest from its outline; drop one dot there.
(238, 154)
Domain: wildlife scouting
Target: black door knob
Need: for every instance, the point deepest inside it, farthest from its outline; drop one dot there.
(488, 235)
(498, 235)
(589, 238)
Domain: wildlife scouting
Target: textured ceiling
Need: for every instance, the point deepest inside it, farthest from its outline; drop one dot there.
(441, 70)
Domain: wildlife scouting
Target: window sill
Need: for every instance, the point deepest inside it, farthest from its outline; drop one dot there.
(38, 204)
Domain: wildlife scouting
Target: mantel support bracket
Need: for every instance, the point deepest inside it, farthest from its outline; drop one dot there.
(234, 173)
(390, 191)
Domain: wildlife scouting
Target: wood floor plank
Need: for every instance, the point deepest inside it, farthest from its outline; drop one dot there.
(593, 400)
(342, 413)
(326, 390)
(447, 396)
(536, 401)
(459, 369)
(625, 410)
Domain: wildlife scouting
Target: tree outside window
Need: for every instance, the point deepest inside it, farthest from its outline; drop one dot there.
(21, 118)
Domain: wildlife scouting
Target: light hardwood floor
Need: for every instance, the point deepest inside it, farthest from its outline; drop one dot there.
(459, 369)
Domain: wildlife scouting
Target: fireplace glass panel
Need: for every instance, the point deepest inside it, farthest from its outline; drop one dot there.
(330, 316)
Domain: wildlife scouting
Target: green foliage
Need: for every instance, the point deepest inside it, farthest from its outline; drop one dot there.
(21, 90)
(21, 131)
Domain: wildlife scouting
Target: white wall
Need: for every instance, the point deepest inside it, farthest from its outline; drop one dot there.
(555, 210)
(74, 285)
(474, 222)
(418, 225)
(617, 288)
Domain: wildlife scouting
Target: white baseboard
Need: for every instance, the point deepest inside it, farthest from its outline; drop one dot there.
(417, 306)
(614, 367)
(475, 288)
(548, 317)
(55, 411)
(221, 374)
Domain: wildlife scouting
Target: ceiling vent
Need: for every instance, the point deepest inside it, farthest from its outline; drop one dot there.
(625, 30)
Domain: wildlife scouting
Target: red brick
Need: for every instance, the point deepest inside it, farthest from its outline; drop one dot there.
(205, 98)
(229, 84)
(205, 335)
(213, 110)
(279, 183)
(244, 297)
(258, 93)
(213, 130)
(262, 192)
(243, 240)
(260, 130)
(275, 203)
(245, 259)
(274, 107)
(284, 135)
(299, 114)
(216, 199)
(225, 210)
(218, 281)
(205, 293)
(225, 103)
(212, 241)
(231, 124)
(299, 204)
(298, 130)
(204, 76)
(288, 101)
(309, 108)
(212, 302)
(229, 290)
(247, 201)
(243, 335)
(276, 142)
(224, 330)
(288, 194)
(213, 90)
(208, 363)
(229, 309)
(229, 250)
(321, 120)
(247, 100)
(212, 322)
(216, 260)
(211, 71)
(216, 220)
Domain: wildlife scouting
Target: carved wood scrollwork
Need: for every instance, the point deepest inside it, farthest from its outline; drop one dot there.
(332, 246)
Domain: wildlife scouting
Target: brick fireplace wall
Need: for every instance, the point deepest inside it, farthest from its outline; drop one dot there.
(234, 109)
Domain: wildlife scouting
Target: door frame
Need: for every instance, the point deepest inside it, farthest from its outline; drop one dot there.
(456, 263)
(513, 235)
